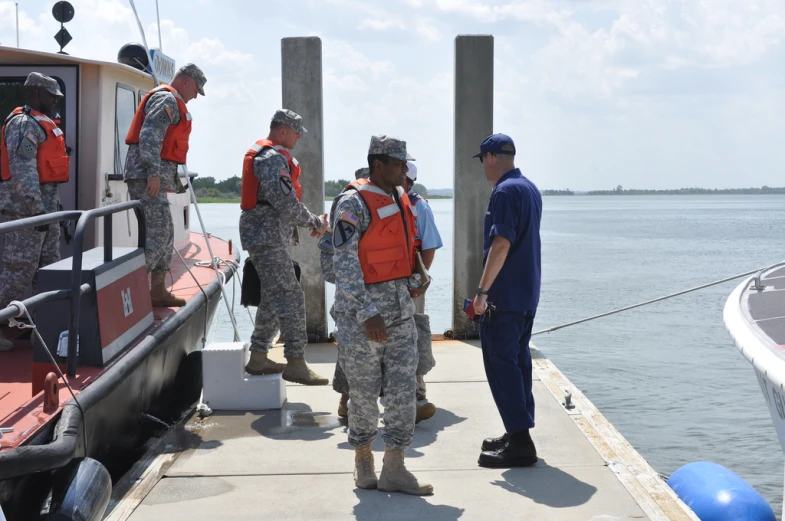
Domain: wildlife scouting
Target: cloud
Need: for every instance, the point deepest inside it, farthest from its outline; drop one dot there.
(381, 25)
(8, 21)
(342, 56)
(529, 10)
(427, 30)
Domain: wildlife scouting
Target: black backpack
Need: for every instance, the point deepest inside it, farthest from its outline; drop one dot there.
(251, 291)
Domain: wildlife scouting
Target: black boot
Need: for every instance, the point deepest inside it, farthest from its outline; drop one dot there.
(519, 451)
(495, 443)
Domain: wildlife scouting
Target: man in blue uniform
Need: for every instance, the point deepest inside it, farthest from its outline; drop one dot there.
(510, 281)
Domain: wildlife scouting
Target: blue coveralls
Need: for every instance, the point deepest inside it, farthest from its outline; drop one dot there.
(514, 212)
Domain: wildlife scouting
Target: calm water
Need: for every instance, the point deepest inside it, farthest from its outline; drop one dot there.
(667, 375)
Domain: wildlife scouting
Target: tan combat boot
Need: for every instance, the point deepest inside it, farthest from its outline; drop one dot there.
(259, 364)
(7, 345)
(297, 371)
(395, 477)
(160, 296)
(425, 410)
(343, 406)
(364, 473)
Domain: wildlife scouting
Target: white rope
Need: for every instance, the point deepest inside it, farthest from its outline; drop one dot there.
(652, 301)
(213, 258)
(12, 322)
(206, 300)
(236, 266)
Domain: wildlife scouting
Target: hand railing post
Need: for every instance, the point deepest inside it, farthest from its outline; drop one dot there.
(108, 238)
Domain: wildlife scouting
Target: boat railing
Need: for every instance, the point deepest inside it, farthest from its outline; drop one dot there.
(751, 345)
(77, 289)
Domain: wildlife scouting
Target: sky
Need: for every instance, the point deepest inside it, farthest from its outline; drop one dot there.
(596, 93)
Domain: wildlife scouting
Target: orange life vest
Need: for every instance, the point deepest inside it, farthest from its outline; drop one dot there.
(386, 249)
(52, 158)
(175, 145)
(250, 184)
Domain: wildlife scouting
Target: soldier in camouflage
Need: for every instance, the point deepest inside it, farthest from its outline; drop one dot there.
(340, 383)
(425, 409)
(266, 232)
(375, 325)
(22, 196)
(149, 177)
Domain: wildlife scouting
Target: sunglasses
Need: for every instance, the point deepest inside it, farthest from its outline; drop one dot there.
(484, 155)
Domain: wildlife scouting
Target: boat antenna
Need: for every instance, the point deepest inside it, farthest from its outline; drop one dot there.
(17, 24)
(158, 20)
(144, 42)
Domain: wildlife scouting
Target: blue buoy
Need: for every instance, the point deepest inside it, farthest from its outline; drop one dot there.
(716, 493)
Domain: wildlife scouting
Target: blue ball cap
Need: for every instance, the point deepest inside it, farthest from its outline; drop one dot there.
(497, 144)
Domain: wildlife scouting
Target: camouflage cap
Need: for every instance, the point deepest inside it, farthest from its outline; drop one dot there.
(290, 118)
(36, 79)
(196, 74)
(362, 173)
(389, 146)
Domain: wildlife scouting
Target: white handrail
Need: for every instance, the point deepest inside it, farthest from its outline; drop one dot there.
(749, 342)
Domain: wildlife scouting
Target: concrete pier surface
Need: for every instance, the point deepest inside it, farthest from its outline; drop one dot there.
(296, 463)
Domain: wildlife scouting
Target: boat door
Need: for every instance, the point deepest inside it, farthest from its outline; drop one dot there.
(12, 78)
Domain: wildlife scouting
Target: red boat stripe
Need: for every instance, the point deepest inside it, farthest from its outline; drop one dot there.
(124, 311)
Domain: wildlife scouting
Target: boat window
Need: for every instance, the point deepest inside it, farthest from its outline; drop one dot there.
(12, 95)
(141, 94)
(125, 106)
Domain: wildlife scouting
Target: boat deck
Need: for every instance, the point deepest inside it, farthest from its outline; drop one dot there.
(766, 310)
(21, 405)
(296, 463)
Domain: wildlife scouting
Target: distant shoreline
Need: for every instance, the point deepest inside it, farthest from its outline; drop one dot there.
(683, 191)
(565, 193)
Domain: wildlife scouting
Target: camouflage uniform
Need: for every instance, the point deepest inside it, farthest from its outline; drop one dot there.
(26, 251)
(340, 383)
(266, 232)
(370, 366)
(143, 161)
(422, 322)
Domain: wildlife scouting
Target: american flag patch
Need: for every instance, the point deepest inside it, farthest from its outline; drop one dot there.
(169, 112)
(349, 217)
(32, 138)
(284, 173)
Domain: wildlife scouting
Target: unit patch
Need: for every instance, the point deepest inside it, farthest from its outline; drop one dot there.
(285, 182)
(343, 232)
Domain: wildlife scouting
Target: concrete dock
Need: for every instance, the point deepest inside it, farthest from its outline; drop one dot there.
(296, 463)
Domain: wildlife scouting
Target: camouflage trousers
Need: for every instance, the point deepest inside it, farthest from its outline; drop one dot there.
(26, 251)
(425, 363)
(372, 367)
(282, 305)
(159, 229)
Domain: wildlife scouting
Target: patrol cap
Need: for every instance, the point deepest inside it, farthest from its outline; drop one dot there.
(497, 144)
(36, 79)
(389, 146)
(362, 173)
(412, 173)
(196, 74)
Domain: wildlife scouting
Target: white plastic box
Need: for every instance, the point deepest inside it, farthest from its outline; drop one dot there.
(227, 387)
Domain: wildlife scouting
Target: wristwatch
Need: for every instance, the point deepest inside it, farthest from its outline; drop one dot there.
(481, 291)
